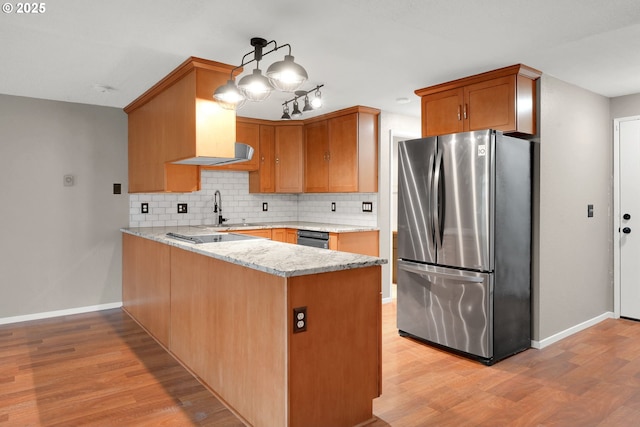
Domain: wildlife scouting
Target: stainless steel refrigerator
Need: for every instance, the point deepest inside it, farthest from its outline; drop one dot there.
(464, 243)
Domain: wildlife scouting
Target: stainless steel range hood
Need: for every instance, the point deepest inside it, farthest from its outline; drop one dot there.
(243, 152)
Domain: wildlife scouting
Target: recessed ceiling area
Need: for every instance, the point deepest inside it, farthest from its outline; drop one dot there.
(365, 52)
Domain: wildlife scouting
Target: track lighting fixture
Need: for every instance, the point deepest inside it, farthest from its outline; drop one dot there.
(285, 112)
(285, 75)
(309, 105)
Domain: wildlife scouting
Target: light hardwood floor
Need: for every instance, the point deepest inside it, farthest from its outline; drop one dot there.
(102, 369)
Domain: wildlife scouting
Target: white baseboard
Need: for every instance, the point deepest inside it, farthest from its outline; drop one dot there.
(572, 330)
(58, 313)
(387, 300)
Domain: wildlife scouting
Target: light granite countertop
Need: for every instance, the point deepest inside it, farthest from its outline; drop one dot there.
(277, 258)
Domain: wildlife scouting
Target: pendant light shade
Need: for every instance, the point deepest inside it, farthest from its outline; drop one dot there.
(255, 87)
(285, 113)
(296, 111)
(229, 96)
(307, 105)
(317, 100)
(286, 75)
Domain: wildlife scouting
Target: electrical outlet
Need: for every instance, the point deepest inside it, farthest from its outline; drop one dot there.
(265, 206)
(182, 208)
(299, 319)
(144, 208)
(333, 206)
(367, 207)
(589, 211)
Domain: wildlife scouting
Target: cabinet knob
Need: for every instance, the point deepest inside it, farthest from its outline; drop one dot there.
(626, 230)
(458, 112)
(465, 111)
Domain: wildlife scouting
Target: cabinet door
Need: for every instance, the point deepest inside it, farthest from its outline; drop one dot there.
(343, 153)
(289, 159)
(291, 236)
(278, 234)
(442, 113)
(491, 104)
(146, 284)
(247, 133)
(316, 157)
(263, 180)
(265, 232)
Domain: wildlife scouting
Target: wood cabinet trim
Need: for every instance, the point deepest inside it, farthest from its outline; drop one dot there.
(343, 112)
(519, 69)
(188, 65)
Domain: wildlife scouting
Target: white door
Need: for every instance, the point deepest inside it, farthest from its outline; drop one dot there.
(628, 220)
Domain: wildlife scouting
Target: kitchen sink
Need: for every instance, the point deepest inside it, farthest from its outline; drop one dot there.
(210, 238)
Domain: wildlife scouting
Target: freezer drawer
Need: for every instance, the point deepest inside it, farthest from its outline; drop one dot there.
(450, 307)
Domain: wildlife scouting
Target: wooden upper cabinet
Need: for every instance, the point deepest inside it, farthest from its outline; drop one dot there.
(178, 119)
(442, 112)
(264, 179)
(281, 160)
(341, 151)
(503, 99)
(289, 158)
(316, 157)
(247, 132)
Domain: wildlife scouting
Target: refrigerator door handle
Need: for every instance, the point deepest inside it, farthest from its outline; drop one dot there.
(430, 192)
(422, 269)
(435, 190)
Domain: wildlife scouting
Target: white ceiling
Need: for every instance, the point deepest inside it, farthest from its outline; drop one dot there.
(366, 52)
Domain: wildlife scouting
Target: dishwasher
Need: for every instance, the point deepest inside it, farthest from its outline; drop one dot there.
(316, 239)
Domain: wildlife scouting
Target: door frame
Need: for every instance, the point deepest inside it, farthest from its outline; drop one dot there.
(387, 227)
(616, 212)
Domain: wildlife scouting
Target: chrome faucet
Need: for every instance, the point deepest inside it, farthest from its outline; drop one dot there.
(217, 208)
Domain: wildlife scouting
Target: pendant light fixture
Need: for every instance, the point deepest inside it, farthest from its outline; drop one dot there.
(285, 75)
(229, 96)
(255, 87)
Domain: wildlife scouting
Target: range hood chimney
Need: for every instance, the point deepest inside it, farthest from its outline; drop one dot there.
(243, 152)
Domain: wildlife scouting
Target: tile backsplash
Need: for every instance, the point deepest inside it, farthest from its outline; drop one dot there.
(239, 205)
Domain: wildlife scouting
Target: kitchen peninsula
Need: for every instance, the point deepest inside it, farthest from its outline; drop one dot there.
(229, 312)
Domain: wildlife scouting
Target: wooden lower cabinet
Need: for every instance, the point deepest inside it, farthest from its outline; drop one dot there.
(357, 242)
(228, 326)
(146, 284)
(263, 232)
(285, 235)
(232, 327)
(291, 236)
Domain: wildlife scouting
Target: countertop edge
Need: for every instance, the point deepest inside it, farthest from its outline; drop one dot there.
(336, 261)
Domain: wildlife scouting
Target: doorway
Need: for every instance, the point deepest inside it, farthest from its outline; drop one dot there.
(626, 217)
(392, 214)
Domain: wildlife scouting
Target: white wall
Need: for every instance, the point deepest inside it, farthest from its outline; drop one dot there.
(60, 246)
(625, 106)
(573, 282)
